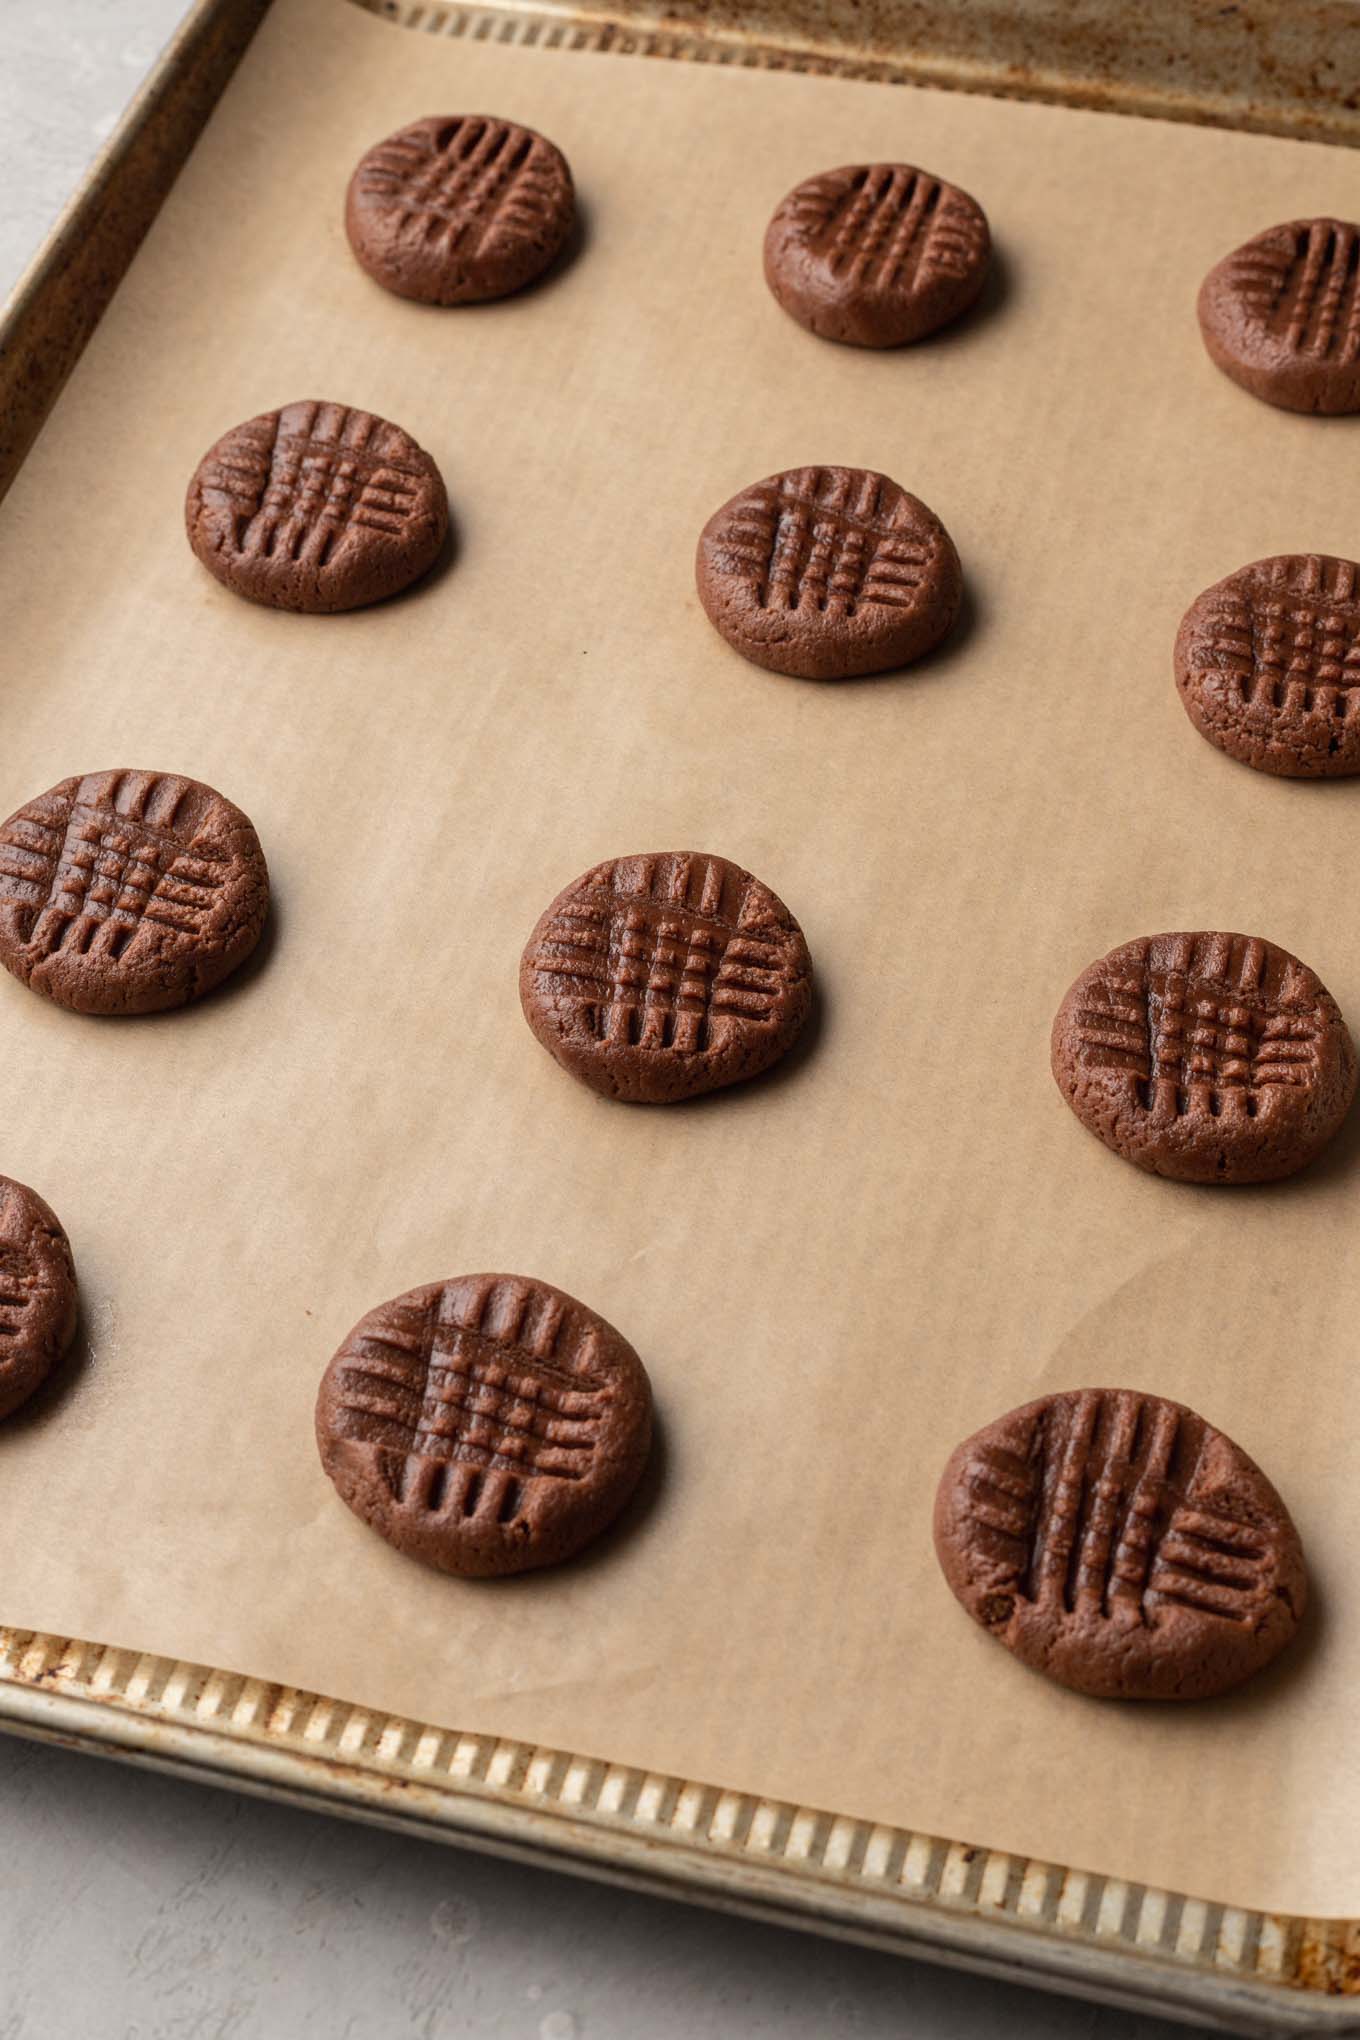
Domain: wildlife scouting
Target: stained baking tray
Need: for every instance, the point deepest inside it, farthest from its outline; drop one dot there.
(1279, 69)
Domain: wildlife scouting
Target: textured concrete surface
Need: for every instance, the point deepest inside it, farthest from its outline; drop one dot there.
(138, 1906)
(67, 70)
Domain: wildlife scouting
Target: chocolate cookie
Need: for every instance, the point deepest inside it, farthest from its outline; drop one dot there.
(1268, 665)
(37, 1293)
(876, 254)
(825, 573)
(1122, 1545)
(1210, 1058)
(488, 1424)
(656, 978)
(127, 892)
(1281, 316)
(452, 211)
(316, 507)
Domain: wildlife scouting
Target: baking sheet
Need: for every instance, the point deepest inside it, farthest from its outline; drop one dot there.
(835, 1273)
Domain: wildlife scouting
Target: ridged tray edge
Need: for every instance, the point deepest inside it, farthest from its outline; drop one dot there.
(1041, 1922)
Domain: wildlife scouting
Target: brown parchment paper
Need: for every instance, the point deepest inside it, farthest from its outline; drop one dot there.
(834, 1274)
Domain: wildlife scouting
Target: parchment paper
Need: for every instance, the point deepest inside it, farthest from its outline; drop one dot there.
(832, 1275)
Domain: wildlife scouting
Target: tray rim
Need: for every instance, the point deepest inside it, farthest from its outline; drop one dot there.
(1008, 55)
(56, 303)
(950, 1901)
(963, 1904)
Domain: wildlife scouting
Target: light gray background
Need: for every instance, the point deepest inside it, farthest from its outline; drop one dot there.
(132, 1905)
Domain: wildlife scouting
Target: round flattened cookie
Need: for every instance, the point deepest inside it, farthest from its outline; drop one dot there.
(488, 1424)
(316, 507)
(660, 977)
(1122, 1545)
(826, 573)
(1268, 665)
(457, 210)
(876, 254)
(1209, 1058)
(37, 1293)
(129, 892)
(1281, 316)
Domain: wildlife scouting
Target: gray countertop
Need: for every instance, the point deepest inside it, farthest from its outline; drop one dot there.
(137, 1905)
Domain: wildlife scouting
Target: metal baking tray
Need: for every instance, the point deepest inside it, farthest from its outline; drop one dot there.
(1278, 66)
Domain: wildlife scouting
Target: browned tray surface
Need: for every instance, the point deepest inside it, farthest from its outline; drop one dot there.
(872, 1878)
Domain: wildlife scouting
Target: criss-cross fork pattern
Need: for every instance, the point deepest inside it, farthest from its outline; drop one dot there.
(16, 1290)
(832, 540)
(888, 226)
(1291, 640)
(1097, 1516)
(655, 962)
(1305, 289)
(1199, 1034)
(476, 1398)
(455, 187)
(296, 484)
(86, 885)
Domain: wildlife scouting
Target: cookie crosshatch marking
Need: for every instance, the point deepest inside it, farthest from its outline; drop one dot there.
(90, 886)
(455, 211)
(1293, 640)
(1267, 663)
(1199, 1031)
(1281, 316)
(129, 892)
(660, 977)
(653, 958)
(826, 573)
(882, 226)
(832, 540)
(486, 1425)
(317, 507)
(1208, 1058)
(876, 254)
(37, 1293)
(16, 1285)
(480, 1382)
(1102, 1517)
(1118, 1543)
(1303, 285)
(469, 180)
(294, 492)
